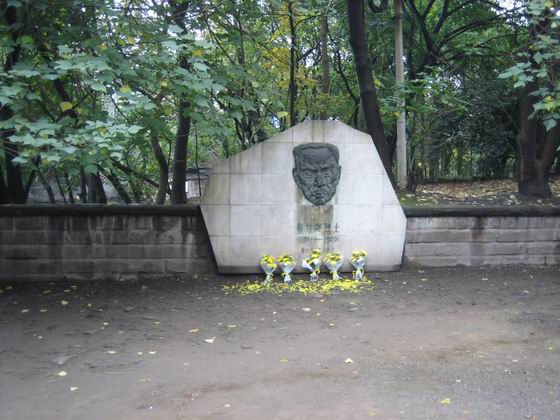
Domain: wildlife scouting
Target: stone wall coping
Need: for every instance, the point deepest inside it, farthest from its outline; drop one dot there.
(481, 211)
(194, 210)
(98, 210)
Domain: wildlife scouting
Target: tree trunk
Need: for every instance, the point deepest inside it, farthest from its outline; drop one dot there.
(99, 190)
(59, 185)
(536, 147)
(4, 193)
(292, 88)
(136, 191)
(69, 187)
(83, 186)
(119, 187)
(14, 176)
(401, 119)
(459, 161)
(178, 192)
(532, 173)
(163, 169)
(368, 93)
(46, 186)
(325, 82)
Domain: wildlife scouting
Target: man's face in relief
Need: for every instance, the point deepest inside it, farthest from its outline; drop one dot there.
(317, 171)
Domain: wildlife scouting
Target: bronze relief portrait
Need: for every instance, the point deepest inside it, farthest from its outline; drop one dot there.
(317, 171)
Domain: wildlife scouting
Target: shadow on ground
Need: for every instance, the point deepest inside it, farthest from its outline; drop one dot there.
(434, 343)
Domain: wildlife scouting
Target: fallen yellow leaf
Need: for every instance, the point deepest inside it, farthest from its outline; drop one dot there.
(65, 106)
(445, 401)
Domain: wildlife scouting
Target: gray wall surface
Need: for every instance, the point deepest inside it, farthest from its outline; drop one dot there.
(102, 242)
(128, 242)
(446, 241)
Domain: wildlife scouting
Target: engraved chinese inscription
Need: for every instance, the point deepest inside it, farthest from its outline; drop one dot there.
(317, 171)
(317, 235)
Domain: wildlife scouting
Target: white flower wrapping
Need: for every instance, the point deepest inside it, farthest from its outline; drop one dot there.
(269, 270)
(358, 264)
(334, 267)
(313, 267)
(287, 268)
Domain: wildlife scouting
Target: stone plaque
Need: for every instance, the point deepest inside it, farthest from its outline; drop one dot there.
(320, 184)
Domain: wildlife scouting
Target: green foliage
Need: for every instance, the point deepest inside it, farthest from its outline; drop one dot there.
(96, 81)
(538, 62)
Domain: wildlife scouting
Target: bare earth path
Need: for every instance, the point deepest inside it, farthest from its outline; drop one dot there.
(439, 344)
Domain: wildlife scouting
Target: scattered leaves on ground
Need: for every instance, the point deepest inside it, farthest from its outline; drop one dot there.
(492, 192)
(302, 287)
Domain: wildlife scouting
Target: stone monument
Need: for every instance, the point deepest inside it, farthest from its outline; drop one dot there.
(320, 184)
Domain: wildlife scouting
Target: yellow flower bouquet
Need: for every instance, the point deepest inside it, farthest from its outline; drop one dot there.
(333, 261)
(358, 260)
(268, 264)
(287, 264)
(313, 264)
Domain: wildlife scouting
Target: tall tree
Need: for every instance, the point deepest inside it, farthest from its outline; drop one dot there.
(294, 62)
(14, 174)
(368, 92)
(539, 134)
(325, 79)
(178, 187)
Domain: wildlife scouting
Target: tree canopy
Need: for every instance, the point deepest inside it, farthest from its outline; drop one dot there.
(136, 92)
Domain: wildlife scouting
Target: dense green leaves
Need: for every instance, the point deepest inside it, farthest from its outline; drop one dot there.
(98, 82)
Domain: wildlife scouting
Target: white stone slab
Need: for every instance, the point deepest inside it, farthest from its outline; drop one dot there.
(253, 206)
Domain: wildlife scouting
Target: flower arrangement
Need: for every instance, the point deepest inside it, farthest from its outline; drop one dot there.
(358, 260)
(287, 264)
(333, 261)
(313, 264)
(268, 264)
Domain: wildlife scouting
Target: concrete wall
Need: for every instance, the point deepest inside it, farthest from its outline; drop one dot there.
(102, 242)
(125, 242)
(475, 237)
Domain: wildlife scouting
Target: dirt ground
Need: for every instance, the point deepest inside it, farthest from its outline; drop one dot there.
(426, 344)
(502, 192)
